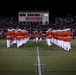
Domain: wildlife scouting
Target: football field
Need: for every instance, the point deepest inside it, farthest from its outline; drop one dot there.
(23, 61)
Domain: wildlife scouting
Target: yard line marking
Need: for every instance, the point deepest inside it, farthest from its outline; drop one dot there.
(4, 50)
(15, 50)
(48, 50)
(40, 64)
(39, 69)
(26, 50)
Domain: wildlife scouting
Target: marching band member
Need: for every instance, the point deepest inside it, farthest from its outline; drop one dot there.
(8, 37)
(49, 36)
(40, 36)
(13, 36)
(36, 36)
(68, 39)
(19, 37)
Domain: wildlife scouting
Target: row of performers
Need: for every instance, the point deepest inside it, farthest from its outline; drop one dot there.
(61, 38)
(21, 37)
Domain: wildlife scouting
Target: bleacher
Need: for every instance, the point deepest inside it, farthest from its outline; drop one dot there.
(59, 23)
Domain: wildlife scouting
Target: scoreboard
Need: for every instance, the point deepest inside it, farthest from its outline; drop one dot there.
(40, 17)
(33, 18)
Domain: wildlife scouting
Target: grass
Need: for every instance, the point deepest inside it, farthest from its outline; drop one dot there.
(58, 61)
(22, 61)
(17, 61)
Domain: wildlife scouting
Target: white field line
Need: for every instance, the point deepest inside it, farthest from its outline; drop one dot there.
(39, 64)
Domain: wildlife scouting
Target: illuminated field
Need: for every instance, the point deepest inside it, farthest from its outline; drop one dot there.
(22, 61)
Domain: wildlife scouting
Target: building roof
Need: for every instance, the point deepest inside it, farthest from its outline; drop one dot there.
(33, 11)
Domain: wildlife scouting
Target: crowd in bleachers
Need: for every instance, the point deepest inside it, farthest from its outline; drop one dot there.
(58, 23)
(66, 22)
(5, 23)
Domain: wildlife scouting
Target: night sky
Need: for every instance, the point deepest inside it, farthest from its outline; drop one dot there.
(56, 8)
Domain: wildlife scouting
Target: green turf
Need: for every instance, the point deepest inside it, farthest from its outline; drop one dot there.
(22, 61)
(57, 61)
(17, 61)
